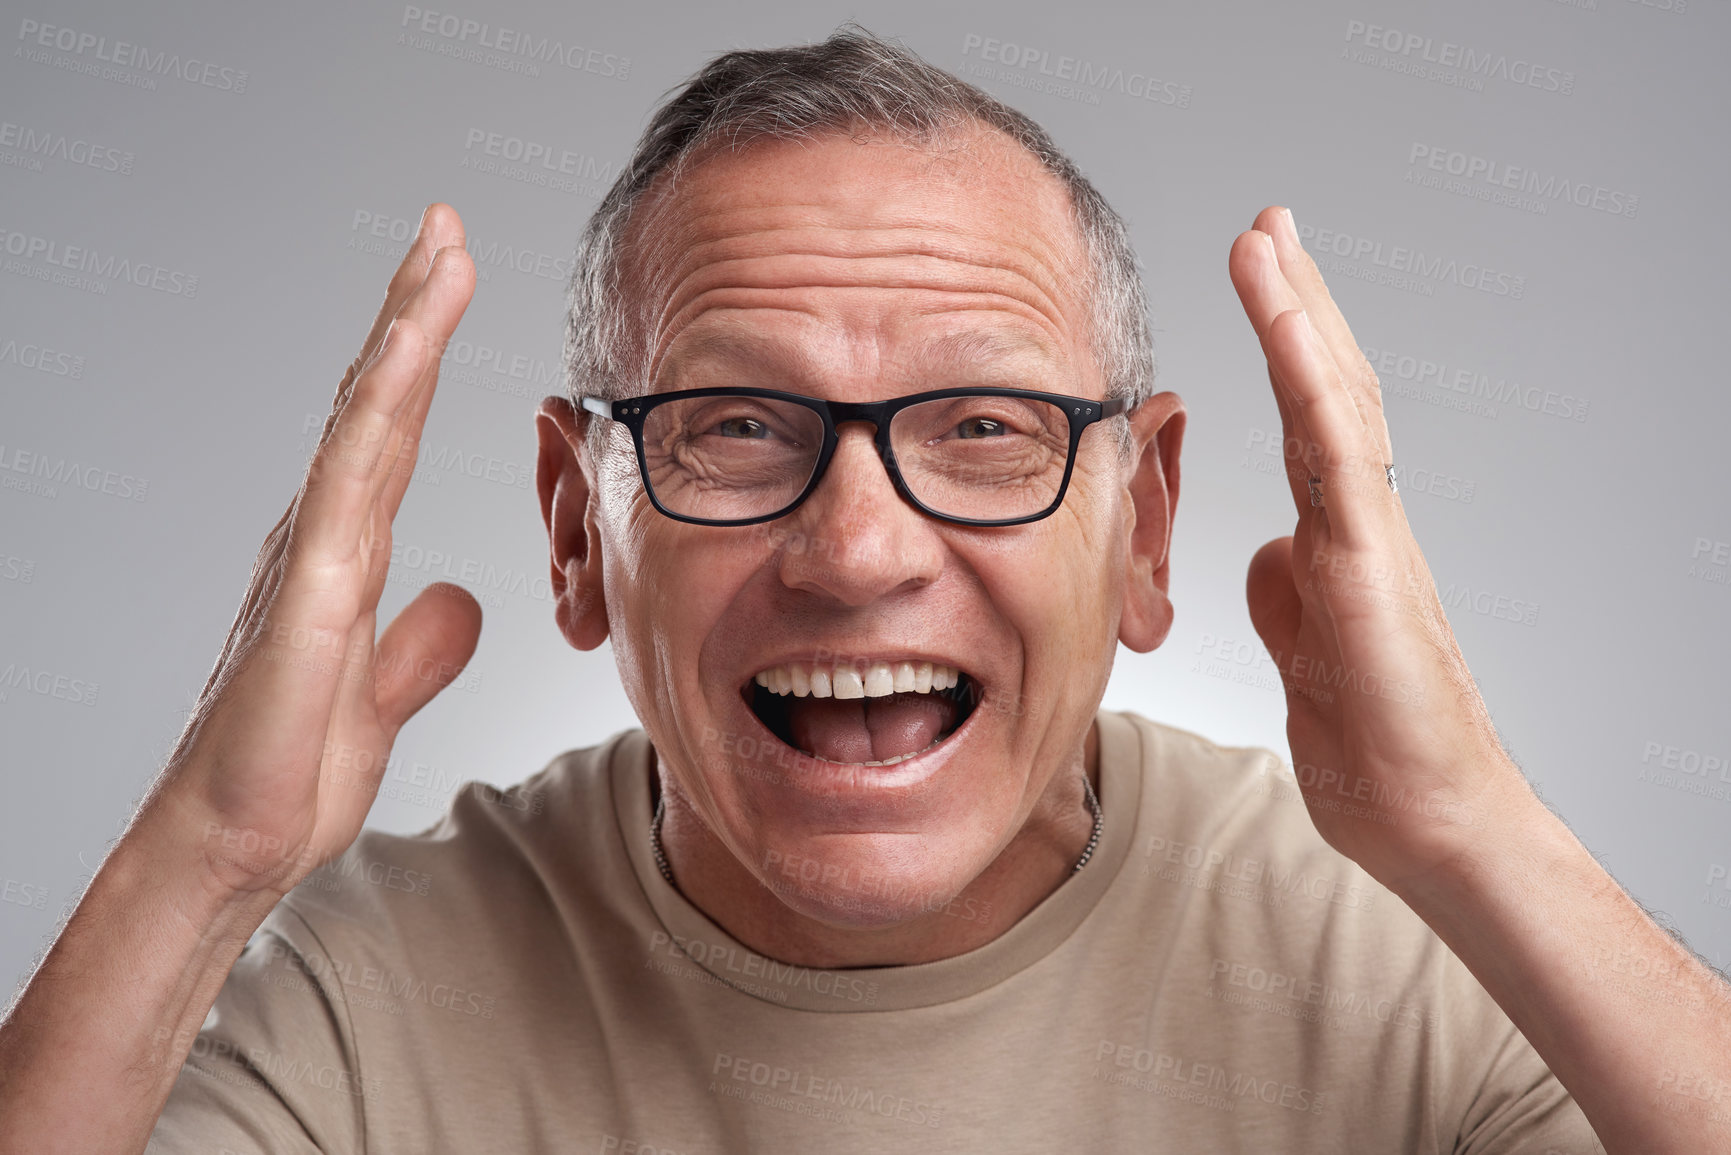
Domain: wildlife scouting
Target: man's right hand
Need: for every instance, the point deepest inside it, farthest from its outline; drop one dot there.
(283, 753)
(279, 762)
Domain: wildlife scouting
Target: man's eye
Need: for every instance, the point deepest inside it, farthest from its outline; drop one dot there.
(980, 427)
(742, 427)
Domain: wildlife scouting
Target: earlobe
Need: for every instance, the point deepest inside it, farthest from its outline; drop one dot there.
(569, 511)
(1151, 498)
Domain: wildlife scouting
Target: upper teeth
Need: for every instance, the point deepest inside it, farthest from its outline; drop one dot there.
(846, 680)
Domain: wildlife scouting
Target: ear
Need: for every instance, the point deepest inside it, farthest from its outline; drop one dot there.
(1151, 494)
(569, 507)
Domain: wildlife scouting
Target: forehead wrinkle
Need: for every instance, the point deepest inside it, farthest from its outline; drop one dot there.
(1031, 332)
(744, 278)
(760, 229)
(1037, 261)
(729, 339)
(797, 269)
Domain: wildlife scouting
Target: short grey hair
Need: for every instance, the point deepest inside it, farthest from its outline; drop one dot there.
(850, 81)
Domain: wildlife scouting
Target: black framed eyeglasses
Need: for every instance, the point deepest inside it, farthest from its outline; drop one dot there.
(972, 455)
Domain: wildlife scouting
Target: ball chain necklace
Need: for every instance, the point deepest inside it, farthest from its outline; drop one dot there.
(667, 871)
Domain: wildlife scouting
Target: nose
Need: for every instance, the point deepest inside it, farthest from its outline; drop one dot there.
(855, 539)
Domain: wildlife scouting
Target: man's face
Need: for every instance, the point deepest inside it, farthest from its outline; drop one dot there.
(859, 270)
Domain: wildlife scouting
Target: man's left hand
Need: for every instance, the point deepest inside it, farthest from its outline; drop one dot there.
(1396, 755)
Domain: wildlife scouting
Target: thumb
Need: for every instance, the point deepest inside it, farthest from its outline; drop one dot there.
(423, 650)
(1275, 607)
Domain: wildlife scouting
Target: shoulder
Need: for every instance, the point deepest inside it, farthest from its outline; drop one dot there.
(1193, 784)
(1173, 750)
(1276, 940)
(498, 856)
(1227, 829)
(1276, 915)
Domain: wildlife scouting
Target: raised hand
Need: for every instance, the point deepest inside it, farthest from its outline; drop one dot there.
(1396, 755)
(278, 764)
(282, 756)
(1403, 772)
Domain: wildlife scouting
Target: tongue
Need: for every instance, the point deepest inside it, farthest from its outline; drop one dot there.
(869, 729)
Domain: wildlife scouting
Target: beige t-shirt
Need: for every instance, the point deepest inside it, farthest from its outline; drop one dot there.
(521, 978)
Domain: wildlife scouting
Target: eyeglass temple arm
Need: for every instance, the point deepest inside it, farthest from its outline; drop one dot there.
(1113, 406)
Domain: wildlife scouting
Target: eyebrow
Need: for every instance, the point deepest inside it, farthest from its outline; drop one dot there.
(969, 346)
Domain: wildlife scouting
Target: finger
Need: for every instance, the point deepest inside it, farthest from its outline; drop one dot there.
(1295, 436)
(440, 226)
(423, 650)
(438, 302)
(1265, 294)
(365, 466)
(1272, 595)
(1277, 613)
(1357, 509)
(437, 307)
(1301, 273)
(1263, 289)
(341, 485)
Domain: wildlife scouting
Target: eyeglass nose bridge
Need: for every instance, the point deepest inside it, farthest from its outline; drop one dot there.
(878, 414)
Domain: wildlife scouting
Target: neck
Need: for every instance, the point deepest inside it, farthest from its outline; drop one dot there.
(1038, 860)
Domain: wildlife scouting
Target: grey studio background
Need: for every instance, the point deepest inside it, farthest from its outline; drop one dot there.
(1518, 203)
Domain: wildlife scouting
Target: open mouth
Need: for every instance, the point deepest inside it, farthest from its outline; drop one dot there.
(874, 713)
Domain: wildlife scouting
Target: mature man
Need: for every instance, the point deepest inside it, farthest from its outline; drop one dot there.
(865, 477)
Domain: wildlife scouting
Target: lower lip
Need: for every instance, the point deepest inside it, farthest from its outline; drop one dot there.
(820, 776)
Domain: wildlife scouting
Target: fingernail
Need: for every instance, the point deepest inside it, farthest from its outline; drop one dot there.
(422, 226)
(1290, 223)
(390, 335)
(1309, 329)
